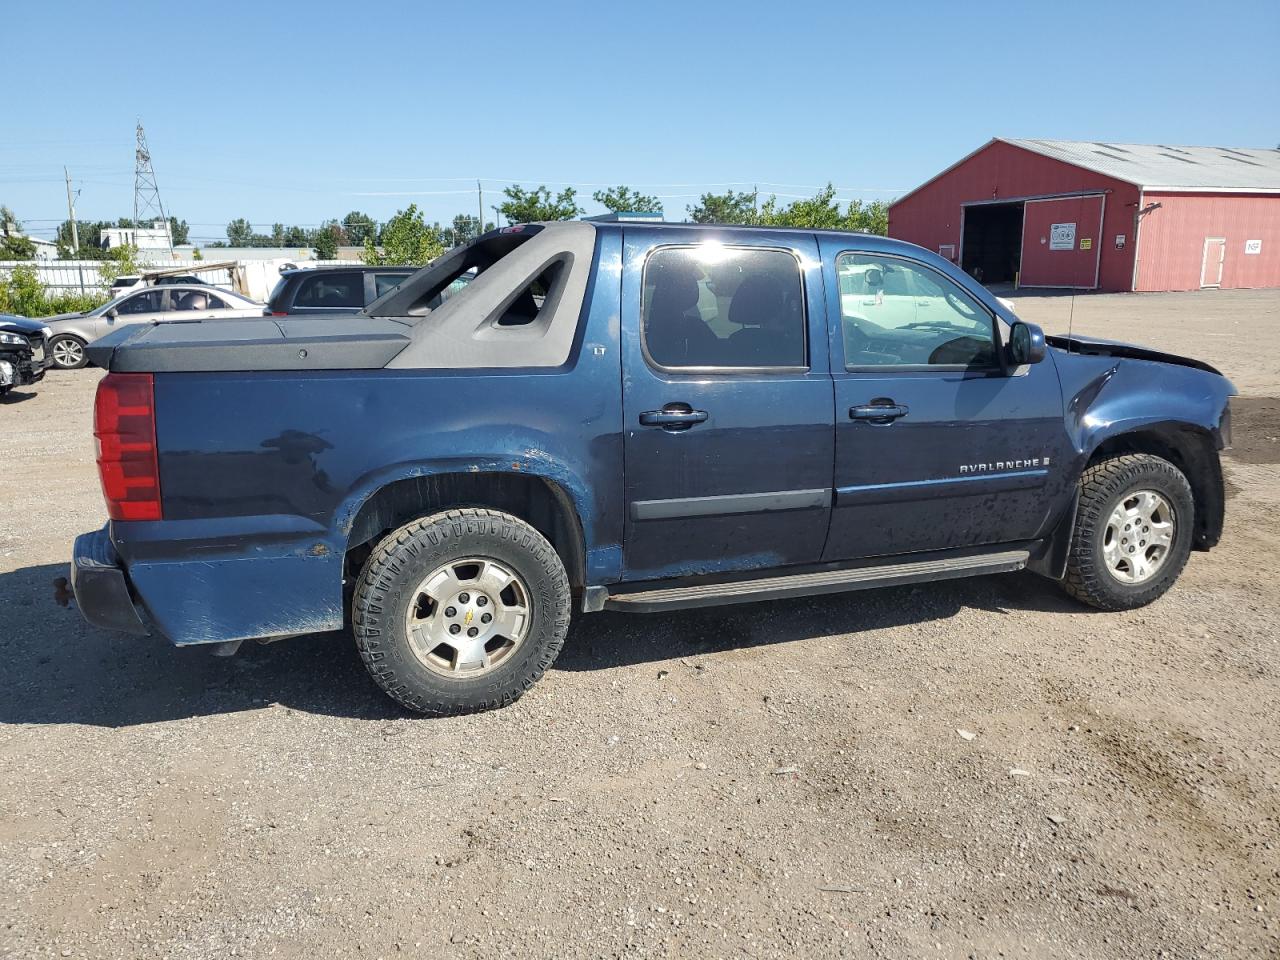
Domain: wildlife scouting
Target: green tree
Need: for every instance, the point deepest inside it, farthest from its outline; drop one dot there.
(179, 230)
(464, 229)
(277, 234)
(336, 228)
(240, 233)
(728, 208)
(196, 254)
(622, 199)
(9, 222)
(875, 218)
(121, 261)
(532, 206)
(406, 239)
(326, 243)
(359, 227)
(822, 211)
(15, 247)
(296, 237)
(90, 232)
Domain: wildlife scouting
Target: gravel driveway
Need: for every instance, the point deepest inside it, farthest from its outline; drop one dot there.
(979, 768)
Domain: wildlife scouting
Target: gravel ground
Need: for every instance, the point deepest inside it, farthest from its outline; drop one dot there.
(785, 779)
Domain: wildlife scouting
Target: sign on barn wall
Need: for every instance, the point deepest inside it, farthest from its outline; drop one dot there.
(1062, 236)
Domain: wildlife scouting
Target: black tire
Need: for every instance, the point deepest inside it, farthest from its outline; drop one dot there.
(399, 564)
(67, 339)
(1102, 487)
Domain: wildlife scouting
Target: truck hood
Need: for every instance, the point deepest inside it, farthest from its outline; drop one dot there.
(1097, 347)
(304, 343)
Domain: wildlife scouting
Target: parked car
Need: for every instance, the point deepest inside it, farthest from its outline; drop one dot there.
(71, 331)
(121, 284)
(23, 351)
(636, 418)
(331, 290)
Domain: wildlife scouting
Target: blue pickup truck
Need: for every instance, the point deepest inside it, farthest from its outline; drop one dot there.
(628, 417)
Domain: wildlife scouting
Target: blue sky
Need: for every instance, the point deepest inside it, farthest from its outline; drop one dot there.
(296, 113)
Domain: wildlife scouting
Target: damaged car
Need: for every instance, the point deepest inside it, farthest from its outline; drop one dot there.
(23, 349)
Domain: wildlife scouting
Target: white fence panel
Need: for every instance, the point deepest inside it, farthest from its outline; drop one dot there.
(85, 276)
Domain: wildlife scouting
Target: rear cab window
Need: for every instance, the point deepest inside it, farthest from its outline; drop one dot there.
(333, 289)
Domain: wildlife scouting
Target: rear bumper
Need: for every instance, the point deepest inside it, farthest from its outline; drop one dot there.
(212, 580)
(100, 586)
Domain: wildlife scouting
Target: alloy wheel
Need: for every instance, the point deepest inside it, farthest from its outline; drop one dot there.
(68, 353)
(1138, 537)
(467, 617)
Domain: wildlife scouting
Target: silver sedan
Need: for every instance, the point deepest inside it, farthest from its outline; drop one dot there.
(70, 332)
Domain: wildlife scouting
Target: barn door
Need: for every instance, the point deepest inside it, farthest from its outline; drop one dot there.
(1061, 242)
(1215, 252)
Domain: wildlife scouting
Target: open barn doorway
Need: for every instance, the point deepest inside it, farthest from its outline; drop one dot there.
(992, 244)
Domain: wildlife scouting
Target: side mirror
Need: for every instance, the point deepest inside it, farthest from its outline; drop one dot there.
(1026, 344)
(112, 313)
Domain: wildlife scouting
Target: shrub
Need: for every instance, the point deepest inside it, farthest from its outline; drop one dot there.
(21, 293)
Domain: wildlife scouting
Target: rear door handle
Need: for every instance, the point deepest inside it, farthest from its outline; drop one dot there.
(878, 412)
(674, 416)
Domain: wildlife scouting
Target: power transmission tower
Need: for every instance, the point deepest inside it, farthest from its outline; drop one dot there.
(146, 195)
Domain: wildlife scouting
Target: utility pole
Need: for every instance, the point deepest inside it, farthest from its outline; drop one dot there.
(75, 229)
(479, 209)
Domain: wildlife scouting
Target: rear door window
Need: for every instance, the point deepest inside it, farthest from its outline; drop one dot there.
(709, 306)
(195, 300)
(331, 289)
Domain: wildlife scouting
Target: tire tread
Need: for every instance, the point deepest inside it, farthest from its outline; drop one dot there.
(1101, 482)
(389, 559)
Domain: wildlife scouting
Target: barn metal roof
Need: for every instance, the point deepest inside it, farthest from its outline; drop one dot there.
(1163, 167)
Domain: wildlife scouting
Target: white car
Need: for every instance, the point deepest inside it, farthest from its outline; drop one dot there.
(167, 303)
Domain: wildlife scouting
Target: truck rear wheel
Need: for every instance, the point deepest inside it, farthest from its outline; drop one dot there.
(1132, 534)
(461, 611)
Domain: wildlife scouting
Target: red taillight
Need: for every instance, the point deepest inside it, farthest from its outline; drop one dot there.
(124, 423)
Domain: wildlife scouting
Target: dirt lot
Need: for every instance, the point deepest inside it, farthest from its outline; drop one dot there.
(782, 779)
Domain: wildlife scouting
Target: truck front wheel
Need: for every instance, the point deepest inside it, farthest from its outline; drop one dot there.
(461, 611)
(1133, 532)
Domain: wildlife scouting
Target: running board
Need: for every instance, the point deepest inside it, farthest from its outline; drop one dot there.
(825, 581)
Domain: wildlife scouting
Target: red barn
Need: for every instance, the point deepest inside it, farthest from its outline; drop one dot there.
(1103, 216)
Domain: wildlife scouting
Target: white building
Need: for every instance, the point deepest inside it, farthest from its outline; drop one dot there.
(45, 249)
(155, 237)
